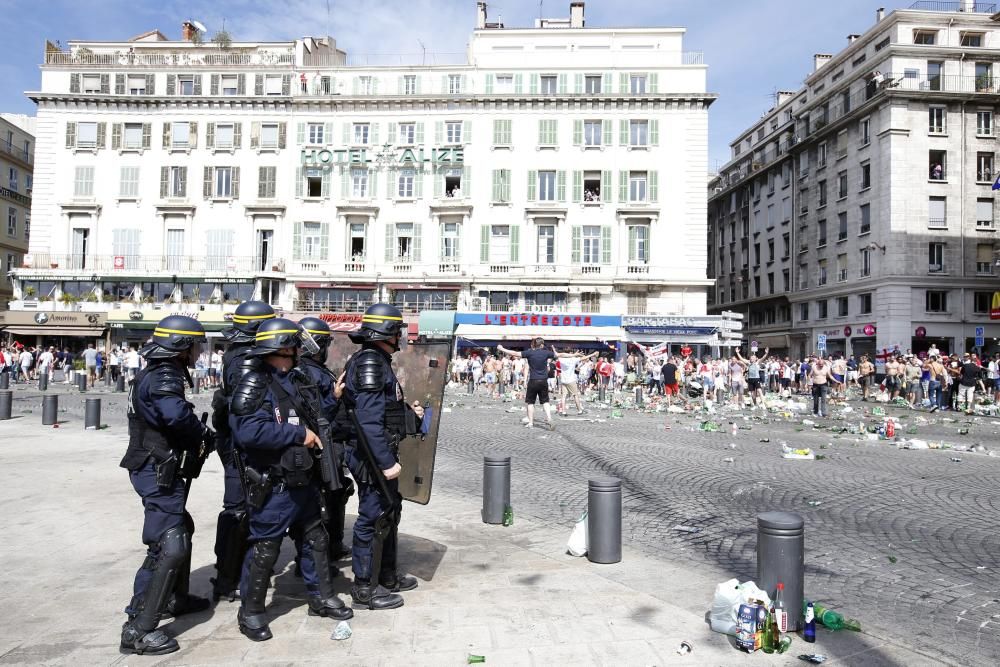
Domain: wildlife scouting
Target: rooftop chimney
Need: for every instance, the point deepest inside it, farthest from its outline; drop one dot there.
(820, 59)
(480, 15)
(851, 38)
(879, 14)
(188, 31)
(783, 96)
(576, 15)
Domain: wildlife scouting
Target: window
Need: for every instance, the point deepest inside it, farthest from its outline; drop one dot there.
(591, 244)
(549, 84)
(453, 183)
(269, 135)
(314, 183)
(821, 155)
(266, 177)
(821, 188)
(841, 185)
(137, 84)
(224, 134)
(180, 135)
(984, 214)
(11, 221)
(786, 279)
(841, 226)
(842, 308)
(366, 85)
(934, 71)
(129, 185)
(592, 186)
(974, 39)
(592, 132)
(803, 311)
(223, 182)
(936, 164)
(546, 244)
(936, 301)
(866, 219)
(361, 134)
(450, 242)
(315, 134)
(786, 245)
(984, 78)
(982, 302)
(454, 84)
(937, 212)
(407, 134)
(453, 132)
(185, 84)
(866, 262)
(822, 276)
(356, 234)
(821, 306)
(546, 186)
(312, 241)
(12, 178)
(502, 130)
(499, 251)
(935, 257)
(984, 167)
(637, 84)
(865, 131)
(86, 135)
(501, 186)
(984, 259)
(83, 183)
(91, 83)
(405, 242)
(230, 84)
(984, 123)
(590, 302)
(924, 36)
(359, 183)
(548, 132)
(756, 255)
(410, 84)
(593, 84)
(406, 181)
(638, 135)
(936, 120)
(638, 244)
(637, 191)
(841, 268)
(770, 250)
(132, 138)
(272, 84)
(866, 176)
(504, 84)
(636, 303)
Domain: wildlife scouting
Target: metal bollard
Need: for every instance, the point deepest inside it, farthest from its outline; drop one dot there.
(600, 391)
(638, 396)
(81, 381)
(496, 487)
(196, 388)
(120, 383)
(107, 378)
(4, 380)
(43, 381)
(50, 409)
(6, 403)
(780, 559)
(604, 520)
(502, 388)
(92, 413)
(472, 385)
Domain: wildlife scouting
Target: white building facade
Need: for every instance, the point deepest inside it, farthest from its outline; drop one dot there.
(559, 168)
(880, 172)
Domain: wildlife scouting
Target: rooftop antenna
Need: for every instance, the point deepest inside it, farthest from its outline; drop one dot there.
(423, 49)
(541, 8)
(329, 25)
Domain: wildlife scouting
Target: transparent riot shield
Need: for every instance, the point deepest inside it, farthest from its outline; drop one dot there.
(422, 369)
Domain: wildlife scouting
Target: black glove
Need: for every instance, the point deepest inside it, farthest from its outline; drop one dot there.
(208, 437)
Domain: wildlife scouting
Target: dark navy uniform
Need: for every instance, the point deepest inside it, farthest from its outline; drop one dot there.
(166, 446)
(266, 419)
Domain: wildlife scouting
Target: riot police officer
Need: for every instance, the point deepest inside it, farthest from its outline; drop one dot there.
(374, 393)
(231, 530)
(167, 445)
(330, 387)
(266, 414)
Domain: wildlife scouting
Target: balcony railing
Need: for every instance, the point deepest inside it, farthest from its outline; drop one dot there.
(130, 264)
(178, 58)
(332, 305)
(977, 7)
(19, 153)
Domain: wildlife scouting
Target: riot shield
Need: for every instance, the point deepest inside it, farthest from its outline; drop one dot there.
(422, 369)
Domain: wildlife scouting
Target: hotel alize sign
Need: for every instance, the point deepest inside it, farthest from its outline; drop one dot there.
(387, 157)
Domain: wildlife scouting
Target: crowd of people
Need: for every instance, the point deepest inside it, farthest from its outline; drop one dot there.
(26, 363)
(932, 381)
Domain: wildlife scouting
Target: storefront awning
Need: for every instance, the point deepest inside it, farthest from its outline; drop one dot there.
(54, 331)
(776, 341)
(549, 333)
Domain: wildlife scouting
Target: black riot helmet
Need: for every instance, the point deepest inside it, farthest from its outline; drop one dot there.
(380, 322)
(246, 319)
(173, 336)
(275, 334)
(320, 332)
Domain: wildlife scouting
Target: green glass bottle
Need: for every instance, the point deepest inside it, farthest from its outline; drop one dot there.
(508, 516)
(835, 621)
(767, 644)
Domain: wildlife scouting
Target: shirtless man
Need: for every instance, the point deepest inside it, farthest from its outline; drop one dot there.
(757, 370)
(821, 375)
(839, 369)
(893, 371)
(866, 369)
(490, 369)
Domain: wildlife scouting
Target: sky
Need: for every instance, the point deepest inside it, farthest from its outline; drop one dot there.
(752, 48)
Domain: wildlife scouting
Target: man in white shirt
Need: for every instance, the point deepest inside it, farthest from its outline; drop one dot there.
(132, 363)
(25, 360)
(45, 361)
(569, 382)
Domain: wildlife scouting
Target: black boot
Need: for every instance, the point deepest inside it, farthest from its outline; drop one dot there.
(329, 608)
(251, 616)
(187, 604)
(376, 599)
(222, 589)
(253, 626)
(397, 581)
(154, 642)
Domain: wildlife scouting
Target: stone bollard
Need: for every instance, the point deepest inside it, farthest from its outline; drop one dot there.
(81, 381)
(50, 409)
(638, 396)
(4, 380)
(781, 559)
(43, 381)
(604, 520)
(6, 403)
(92, 413)
(120, 383)
(496, 487)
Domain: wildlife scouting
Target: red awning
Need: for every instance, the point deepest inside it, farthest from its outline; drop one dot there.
(334, 286)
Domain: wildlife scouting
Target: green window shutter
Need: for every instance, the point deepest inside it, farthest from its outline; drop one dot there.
(623, 83)
(518, 84)
(71, 132)
(496, 185)
(505, 184)
(497, 132)
(632, 232)
(606, 186)
(213, 84)
(515, 244)
(324, 241)
(101, 132)
(607, 130)
(654, 82)
(561, 185)
(372, 183)
(197, 84)
(464, 85)
(207, 184)
(347, 134)
(399, 84)
(532, 185)
(392, 185)
(299, 179)
(419, 138)
(325, 184)
(541, 132)
(254, 134)
(577, 187)
(258, 84)
(438, 132)
(623, 132)
(606, 83)
(373, 137)
(577, 132)
(297, 241)
(356, 85)
(345, 184)
(508, 132)
(562, 84)
(553, 132)
(393, 136)
(484, 243)
(578, 84)
(438, 183)
(467, 181)
(654, 186)
(606, 244)
(116, 136)
(534, 84)
(654, 132)
(466, 131)
(119, 84)
(622, 186)
(164, 178)
(236, 182)
(193, 136)
(74, 83)
(210, 135)
(165, 137)
(577, 243)
(390, 250)
(375, 84)
(327, 133)
(237, 135)
(418, 185)
(444, 84)
(489, 84)
(417, 242)
(416, 84)
(283, 134)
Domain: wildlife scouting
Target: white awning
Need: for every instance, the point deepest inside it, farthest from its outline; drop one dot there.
(476, 332)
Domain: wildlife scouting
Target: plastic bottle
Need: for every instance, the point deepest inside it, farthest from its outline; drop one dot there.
(809, 631)
(780, 614)
(835, 621)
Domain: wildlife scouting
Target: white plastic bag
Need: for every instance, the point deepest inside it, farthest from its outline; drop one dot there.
(725, 606)
(577, 544)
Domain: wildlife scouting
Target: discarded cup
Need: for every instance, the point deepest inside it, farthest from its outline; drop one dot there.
(342, 631)
(474, 659)
(814, 658)
(684, 648)
(686, 529)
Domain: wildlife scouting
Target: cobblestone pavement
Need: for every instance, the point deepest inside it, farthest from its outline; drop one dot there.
(903, 540)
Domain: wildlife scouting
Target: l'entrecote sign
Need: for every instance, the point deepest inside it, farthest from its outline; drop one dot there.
(386, 157)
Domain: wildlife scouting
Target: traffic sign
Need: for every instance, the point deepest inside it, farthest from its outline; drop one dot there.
(980, 332)
(753, 346)
(980, 341)
(821, 342)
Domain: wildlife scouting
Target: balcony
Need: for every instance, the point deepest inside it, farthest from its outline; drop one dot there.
(165, 57)
(142, 264)
(356, 266)
(637, 269)
(18, 153)
(977, 7)
(310, 305)
(588, 269)
(449, 267)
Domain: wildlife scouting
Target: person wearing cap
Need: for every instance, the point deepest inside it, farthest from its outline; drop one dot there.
(267, 414)
(231, 530)
(968, 378)
(166, 446)
(374, 393)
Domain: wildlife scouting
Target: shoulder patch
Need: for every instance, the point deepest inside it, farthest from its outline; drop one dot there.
(249, 394)
(369, 371)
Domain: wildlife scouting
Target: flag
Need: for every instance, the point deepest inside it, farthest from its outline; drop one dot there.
(996, 183)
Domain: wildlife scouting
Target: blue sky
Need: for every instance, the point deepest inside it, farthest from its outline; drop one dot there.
(752, 48)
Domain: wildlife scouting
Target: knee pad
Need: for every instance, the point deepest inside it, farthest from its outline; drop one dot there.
(265, 554)
(315, 533)
(175, 546)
